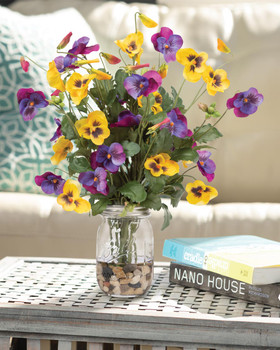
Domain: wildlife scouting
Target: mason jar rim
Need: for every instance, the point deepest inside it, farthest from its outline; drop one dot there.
(116, 210)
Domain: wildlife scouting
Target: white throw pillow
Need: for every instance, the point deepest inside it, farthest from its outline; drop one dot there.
(25, 149)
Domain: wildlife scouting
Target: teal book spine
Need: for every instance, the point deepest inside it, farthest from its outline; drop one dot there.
(188, 255)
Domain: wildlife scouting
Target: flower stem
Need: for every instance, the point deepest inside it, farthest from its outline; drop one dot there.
(35, 63)
(145, 157)
(197, 96)
(213, 124)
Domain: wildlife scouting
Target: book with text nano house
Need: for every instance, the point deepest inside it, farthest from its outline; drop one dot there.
(247, 258)
(194, 277)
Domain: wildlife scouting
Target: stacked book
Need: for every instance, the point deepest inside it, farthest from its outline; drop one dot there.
(242, 266)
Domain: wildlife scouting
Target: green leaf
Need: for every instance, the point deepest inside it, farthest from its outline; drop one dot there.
(167, 101)
(147, 103)
(112, 94)
(134, 191)
(157, 118)
(119, 79)
(130, 148)
(82, 108)
(185, 154)
(179, 103)
(156, 184)
(152, 201)
(117, 135)
(167, 216)
(206, 133)
(163, 143)
(132, 134)
(115, 110)
(97, 207)
(78, 165)
(177, 194)
(67, 128)
(202, 147)
(187, 142)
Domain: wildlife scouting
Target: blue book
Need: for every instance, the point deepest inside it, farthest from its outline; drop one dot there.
(248, 258)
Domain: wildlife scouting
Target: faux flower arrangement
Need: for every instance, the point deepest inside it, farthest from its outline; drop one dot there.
(124, 136)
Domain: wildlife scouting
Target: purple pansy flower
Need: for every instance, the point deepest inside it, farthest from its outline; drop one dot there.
(245, 103)
(138, 85)
(206, 166)
(176, 124)
(111, 157)
(126, 118)
(167, 43)
(79, 48)
(50, 183)
(58, 131)
(29, 102)
(95, 181)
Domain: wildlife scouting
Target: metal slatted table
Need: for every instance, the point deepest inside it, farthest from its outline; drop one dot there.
(59, 299)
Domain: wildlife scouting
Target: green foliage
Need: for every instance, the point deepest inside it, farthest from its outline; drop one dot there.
(206, 133)
(68, 125)
(134, 191)
(130, 148)
(152, 201)
(119, 79)
(167, 101)
(179, 101)
(163, 143)
(98, 206)
(78, 165)
(156, 184)
(167, 216)
(185, 154)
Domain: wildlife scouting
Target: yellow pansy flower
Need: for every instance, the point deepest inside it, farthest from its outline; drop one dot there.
(132, 45)
(70, 198)
(161, 165)
(154, 164)
(215, 80)
(61, 148)
(77, 86)
(199, 193)
(54, 77)
(94, 127)
(194, 63)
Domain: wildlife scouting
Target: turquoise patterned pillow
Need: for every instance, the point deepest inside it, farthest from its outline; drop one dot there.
(25, 149)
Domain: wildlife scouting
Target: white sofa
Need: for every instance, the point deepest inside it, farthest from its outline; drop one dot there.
(247, 175)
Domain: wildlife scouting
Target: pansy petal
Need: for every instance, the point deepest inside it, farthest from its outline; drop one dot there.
(87, 178)
(82, 206)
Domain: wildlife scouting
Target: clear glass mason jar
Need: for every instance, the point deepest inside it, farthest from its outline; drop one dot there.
(125, 252)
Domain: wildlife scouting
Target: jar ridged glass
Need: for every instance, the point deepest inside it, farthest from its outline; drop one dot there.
(125, 252)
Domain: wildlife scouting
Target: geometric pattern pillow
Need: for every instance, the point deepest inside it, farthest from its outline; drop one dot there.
(25, 149)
